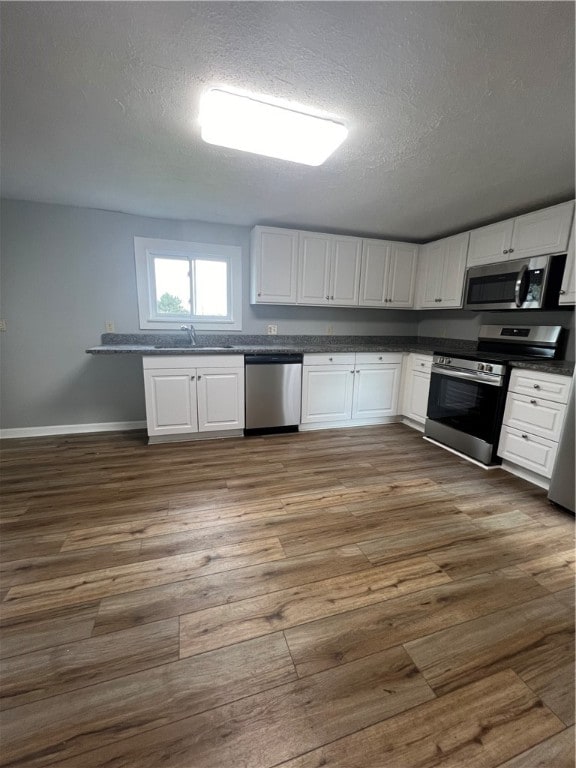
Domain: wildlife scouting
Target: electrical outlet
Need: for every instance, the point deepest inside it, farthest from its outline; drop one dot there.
(272, 330)
(109, 326)
(2, 325)
(330, 330)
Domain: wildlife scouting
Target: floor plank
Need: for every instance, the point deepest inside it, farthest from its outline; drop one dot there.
(536, 639)
(262, 730)
(478, 727)
(557, 751)
(223, 625)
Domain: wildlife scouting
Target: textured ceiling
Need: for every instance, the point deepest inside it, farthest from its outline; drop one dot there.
(458, 112)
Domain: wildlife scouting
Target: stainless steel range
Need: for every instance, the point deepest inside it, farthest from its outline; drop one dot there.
(468, 389)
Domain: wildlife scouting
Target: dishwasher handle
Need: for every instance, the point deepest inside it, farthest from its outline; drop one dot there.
(273, 359)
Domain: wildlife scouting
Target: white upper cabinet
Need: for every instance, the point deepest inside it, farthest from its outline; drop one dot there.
(541, 232)
(388, 274)
(273, 267)
(535, 234)
(329, 269)
(345, 279)
(490, 244)
(568, 290)
(441, 272)
(314, 269)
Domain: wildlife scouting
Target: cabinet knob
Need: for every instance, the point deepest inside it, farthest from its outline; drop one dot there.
(330, 358)
(536, 386)
(422, 364)
(510, 250)
(562, 292)
(525, 436)
(504, 251)
(259, 293)
(192, 378)
(534, 402)
(351, 371)
(199, 377)
(379, 358)
(327, 298)
(331, 298)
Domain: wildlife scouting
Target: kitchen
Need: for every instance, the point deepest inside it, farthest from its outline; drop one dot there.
(86, 496)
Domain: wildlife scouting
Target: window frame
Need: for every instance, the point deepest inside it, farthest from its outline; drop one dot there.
(146, 249)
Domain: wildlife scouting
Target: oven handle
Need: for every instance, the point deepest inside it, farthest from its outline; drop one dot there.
(483, 378)
(519, 281)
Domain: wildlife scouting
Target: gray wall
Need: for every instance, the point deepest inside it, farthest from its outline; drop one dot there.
(66, 270)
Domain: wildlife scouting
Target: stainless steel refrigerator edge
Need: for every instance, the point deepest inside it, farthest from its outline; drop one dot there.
(273, 392)
(562, 489)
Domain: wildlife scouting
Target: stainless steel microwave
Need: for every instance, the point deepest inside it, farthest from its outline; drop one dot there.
(532, 283)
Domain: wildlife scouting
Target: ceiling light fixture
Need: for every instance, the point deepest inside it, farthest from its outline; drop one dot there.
(251, 125)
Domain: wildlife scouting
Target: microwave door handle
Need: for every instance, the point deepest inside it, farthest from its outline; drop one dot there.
(519, 300)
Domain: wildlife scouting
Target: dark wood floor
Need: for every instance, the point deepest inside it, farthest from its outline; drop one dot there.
(355, 598)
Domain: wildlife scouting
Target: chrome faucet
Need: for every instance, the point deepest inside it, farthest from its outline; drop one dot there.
(191, 331)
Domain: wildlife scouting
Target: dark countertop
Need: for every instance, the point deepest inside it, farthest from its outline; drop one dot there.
(563, 367)
(233, 344)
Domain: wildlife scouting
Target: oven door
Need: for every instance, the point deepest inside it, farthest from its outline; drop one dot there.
(465, 413)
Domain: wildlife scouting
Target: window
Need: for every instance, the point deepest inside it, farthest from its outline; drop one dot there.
(178, 282)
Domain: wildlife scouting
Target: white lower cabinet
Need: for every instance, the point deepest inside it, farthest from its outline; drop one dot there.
(533, 419)
(350, 388)
(188, 395)
(416, 386)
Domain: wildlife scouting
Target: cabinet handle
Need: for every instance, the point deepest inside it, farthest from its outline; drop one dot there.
(525, 436)
(536, 386)
(504, 251)
(534, 402)
(331, 298)
(510, 250)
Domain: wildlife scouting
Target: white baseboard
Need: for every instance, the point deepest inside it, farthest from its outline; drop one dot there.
(525, 474)
(347, 424)
(71, 429)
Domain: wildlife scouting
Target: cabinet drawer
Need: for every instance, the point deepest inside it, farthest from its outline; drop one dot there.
(374, 358)
(421, 363)
(336, 358)
(158, 362)
(549, 386)
(527, 450)
(535, 415)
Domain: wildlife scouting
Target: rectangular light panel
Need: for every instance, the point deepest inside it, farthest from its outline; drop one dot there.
(244, 123)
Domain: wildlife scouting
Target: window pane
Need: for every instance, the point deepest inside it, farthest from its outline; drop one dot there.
(172, 286)
(211, 288)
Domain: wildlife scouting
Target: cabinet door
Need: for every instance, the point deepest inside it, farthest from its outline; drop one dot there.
(430, 275)
(489, 245)
(220, 399)
(568, 290)
(453, 271)
(274, 260)
(374, 280)
(402, 275)
(416, 401)
(376, 391)
(327, 393)
(542, 232)
(170, 401)
(345, 271)
(314, 270)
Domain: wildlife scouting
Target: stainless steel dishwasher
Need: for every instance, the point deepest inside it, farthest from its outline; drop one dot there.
(273, 393)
